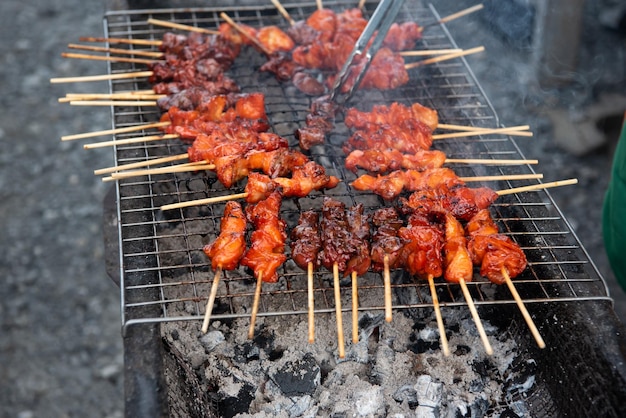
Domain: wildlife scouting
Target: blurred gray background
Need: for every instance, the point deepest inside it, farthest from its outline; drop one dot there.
(60, 338)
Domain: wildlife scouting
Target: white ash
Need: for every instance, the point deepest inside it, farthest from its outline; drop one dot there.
(396, 369)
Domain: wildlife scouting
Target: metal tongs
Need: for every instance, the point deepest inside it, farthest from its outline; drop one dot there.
(378, 26)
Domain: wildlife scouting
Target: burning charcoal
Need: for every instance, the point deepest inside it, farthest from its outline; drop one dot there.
(233, 405)
(383, 369)
(406, 394)
(429, 393)
(246, 352)
(211, 340)
(300, 377)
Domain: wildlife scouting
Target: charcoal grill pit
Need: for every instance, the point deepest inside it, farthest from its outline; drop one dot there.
(165, 278)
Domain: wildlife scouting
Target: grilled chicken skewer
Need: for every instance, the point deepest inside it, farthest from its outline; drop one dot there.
(266, 252)
(306, 244)
(226, 251)
(499, 259)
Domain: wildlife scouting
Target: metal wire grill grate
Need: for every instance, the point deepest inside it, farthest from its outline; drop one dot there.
(167, 277)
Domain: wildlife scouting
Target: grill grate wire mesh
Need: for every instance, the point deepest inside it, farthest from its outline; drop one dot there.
(165, 276)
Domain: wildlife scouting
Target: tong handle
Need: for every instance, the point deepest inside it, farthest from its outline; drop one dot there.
(378, 26)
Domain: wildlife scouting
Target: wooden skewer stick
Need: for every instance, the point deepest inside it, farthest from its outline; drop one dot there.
(111, 95)
(503, 177)
(445, 57)
(320, 6)
(115, 96)
(539, 186)
(442, 329)
(488, 162)
(478, 128)
(427, 52)
(180, 26)
(128, 141)
(523, 310)
(283, 12)
(255, 304)
(182, 168)
(361, 4)
(103, 77)
(311, 303)
(140, 164)
(108, 58)
(206, 201)
(461, 13)
(387, 289)
(211, 301)
(252, 39)
(115, 131)
(143, 103)
(340, 340)
(505, 131)
(137, 52)
(477, 321)
(197, 165)
(134, 140)
(127, 41)
(355, 309)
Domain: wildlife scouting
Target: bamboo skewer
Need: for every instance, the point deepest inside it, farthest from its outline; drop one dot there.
(206, 201)
(506, 131)
(523, 310)
(255, 305)
(283, 12)
(355, 309)
(445, 57)
(181, 168)
(181, 26)
(311, 303)
(478, 128)
(144, 103)
(113, 96)
(320, 6)
(127, 141)
(115, 131)
(442, 329)
(211, 301)
(387, 289)
(140, 164)
(461, 13)
(146, 42)
(102, 77)
(477, 321)
(539, 186)
(252, 39)
(138, 52)
(338, 313)
(503, 177)
(108, 58)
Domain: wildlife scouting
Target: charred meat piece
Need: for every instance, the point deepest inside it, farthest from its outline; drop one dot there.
(338, 243)
(493, 251)
(226, 251)
(386, 240)
(360, 262)
(266, 252)
(306, 241)
(422, 252)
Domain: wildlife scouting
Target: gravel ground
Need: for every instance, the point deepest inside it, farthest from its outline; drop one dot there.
(61, 347)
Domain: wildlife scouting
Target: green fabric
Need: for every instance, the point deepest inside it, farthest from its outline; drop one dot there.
(614, 212)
